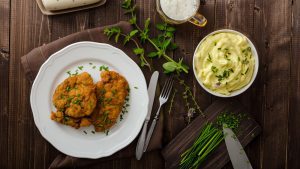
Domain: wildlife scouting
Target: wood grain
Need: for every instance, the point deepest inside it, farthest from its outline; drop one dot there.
(4, 66)
(293, 149)
(273, 99)
(247, 131)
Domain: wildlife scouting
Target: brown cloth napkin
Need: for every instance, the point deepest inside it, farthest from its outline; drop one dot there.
(32, 63)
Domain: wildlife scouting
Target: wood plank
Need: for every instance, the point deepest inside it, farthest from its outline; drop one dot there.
(187, 38)
(255, 96)
(28, 29)
(240, 17)
(4, 63)
(246, 132)
(276, 83)
(294, 115)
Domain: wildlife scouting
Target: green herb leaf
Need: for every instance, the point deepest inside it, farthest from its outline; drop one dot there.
(166, 44)
(133, 32)
(172, 46)
(160, 26)
(126, 4)
(138, 51)
(171, 29)
(147, 23)
(132, 20)
(152, 54)
(170, 67)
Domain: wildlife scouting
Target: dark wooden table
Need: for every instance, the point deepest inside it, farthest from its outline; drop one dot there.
(274, 98)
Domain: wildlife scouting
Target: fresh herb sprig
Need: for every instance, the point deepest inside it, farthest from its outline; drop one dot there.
(162, 43)
(138, 50)
(188, 95)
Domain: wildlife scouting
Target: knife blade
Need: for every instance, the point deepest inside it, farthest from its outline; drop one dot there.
(151, 93)
(236, 152)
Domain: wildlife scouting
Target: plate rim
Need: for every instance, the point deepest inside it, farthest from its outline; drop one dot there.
(33, 91)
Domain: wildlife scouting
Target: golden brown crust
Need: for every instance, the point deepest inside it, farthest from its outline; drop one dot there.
(111, 92)
(74, 99)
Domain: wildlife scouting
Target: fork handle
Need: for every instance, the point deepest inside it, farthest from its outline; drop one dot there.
(151, 129)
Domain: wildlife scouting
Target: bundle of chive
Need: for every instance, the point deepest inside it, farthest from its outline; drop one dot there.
(210, 137)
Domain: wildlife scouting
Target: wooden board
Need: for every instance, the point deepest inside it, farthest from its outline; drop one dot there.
(247, 131)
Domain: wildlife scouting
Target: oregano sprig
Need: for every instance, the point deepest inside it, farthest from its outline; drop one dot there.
(162, 43)
(138, 50)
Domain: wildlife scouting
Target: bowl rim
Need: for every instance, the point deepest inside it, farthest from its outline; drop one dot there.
(256, 65)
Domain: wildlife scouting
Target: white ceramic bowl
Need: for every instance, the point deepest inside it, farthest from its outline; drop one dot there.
(239, 91)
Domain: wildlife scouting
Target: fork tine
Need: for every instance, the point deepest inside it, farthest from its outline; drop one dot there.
(168, 86)
(169, 89)
(165, 88)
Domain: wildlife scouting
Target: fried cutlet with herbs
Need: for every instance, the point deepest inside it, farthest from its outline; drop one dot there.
(75, 100)
(111, 92)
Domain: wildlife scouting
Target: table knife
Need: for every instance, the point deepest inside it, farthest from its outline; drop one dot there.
(151, 93)
(235, 150)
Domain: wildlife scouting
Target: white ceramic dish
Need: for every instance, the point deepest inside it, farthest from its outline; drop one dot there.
(82, 142)
(254, 52)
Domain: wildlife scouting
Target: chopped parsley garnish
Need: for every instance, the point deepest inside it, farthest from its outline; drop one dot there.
(76, 72)
(245, 71)
(135, 87)
(80, 67)
(223, 76)
(66, 118)
(93, 132)
(69, 99)
(102, 91)
(94, 67)
(128, 89)
(214, 69)
(215, 43)
(209, 58)
(106, 132)
(245, 61)
(68, 88)
(103, 67)
(90, 63)
(114, 91)
(69, 73)
(108, 99)
(76, 101)
(219, 48)
(84, 132)
(226, 57)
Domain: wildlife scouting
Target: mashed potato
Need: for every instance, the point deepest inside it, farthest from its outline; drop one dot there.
(224, 62)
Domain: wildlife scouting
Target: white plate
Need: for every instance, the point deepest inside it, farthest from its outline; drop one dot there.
(243, 89)
(75, 142)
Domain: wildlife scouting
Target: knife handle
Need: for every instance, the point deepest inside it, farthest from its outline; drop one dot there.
(141, 142)
(152, 127)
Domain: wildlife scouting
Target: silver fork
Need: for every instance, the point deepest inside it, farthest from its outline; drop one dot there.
(163, 98)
